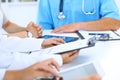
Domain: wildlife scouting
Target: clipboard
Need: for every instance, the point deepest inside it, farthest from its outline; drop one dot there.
(71, 46)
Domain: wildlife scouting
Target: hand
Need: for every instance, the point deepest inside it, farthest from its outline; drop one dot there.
(43, 69)
(40, 69)
(69, 56)
(91, 77)
(52, 42)
(66, 28)
(34, 29)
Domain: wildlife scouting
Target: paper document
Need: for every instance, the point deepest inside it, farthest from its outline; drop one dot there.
(86, 34)
(48, 32)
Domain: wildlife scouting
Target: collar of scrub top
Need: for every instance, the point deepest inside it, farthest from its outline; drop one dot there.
(61, 15)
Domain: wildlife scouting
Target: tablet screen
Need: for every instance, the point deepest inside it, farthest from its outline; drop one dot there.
(81, 70)
(65, 38)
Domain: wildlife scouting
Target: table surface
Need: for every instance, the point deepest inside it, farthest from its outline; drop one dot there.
(107, 53)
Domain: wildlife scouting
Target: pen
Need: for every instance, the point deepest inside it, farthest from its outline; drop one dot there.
(97, 34)
(108, 39)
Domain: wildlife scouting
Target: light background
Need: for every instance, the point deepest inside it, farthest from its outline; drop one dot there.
(22, 13)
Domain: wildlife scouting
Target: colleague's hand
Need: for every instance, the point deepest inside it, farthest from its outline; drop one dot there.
(34, 29)
(40, 69)
(69, 56)
(66, 28)
(90, 77)
(43, 69)
(52, 42)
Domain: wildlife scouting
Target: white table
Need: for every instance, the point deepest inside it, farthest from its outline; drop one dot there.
(111, 61)
(107, 53)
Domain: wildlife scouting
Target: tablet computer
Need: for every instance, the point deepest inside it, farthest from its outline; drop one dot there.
(77, 72)
(82, 70)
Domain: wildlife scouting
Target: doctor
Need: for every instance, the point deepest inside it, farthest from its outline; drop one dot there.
(73, 15)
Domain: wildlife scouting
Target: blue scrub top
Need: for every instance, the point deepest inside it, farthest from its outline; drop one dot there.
(48, 11)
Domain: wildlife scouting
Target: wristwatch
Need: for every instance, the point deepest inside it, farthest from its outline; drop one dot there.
(29, 34)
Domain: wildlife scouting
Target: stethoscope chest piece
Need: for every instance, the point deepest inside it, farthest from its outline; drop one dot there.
(61, 16)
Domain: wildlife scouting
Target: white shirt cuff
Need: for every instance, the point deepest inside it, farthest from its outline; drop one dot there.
(2, 73)
(58, 58)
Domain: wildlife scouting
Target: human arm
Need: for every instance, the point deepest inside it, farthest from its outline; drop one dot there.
(98, 25)
(15, 44)
(15, 29)
(26, 60)
(11, 27)
(39, 69)
(36, 31)
(21, 34)
(107, 19)
(30, 44)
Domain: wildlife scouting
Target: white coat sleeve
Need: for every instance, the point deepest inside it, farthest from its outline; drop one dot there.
(4, 17)
(2, 73)
(21, 61)
(15, 44)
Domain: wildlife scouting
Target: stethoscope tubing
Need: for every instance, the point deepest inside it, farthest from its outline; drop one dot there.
(83, 8)
(61, 15)
(61, 6)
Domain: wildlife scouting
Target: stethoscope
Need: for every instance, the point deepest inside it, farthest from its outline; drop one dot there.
(89, 12)
(61, 15)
